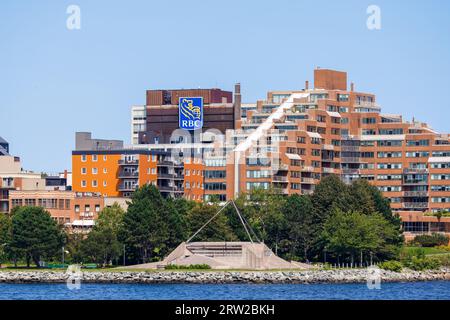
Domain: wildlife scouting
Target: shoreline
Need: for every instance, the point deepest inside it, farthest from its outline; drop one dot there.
(225, 277)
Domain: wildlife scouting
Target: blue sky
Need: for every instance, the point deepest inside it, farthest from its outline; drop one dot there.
(54, 81)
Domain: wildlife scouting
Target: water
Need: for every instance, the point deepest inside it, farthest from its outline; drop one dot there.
(389, 291)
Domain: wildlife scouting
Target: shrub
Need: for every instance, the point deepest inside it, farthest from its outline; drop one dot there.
(445, 248)
(189, 267)
(444, 259)
(392, 265)
(419, 264)
(433, 240)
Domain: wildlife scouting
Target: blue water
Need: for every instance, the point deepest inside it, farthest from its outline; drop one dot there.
(389, 291)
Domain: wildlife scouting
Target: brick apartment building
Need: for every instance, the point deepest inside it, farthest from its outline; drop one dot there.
(307, 134)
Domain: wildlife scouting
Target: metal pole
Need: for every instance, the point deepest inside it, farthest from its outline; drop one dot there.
(124, 255)
(63, 255)
(189, 240)
(242, 221)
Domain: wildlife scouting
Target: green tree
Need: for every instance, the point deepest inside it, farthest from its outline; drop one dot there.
(354, 234)
(35, 234)
(217, 230)
(5, 237)
(300, 228)
(145, 228)
(263, 211)
(102, 244)
(330, 193)
(175, 215)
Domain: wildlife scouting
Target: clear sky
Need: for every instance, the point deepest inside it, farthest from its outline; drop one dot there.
(55, 81)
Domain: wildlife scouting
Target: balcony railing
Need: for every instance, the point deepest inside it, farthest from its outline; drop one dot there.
(134, 162)
(308, 169)
(350, 160)
(351, 171)
(279, 179)
(350, 148)
(329, 170)
(413, 170)
(415, 205)
(127, 187)
(415, 182)
(165, 163)
(125, 174)
(415, 193)
(308, 180)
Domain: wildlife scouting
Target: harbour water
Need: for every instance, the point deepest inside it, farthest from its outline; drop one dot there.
(389, 291)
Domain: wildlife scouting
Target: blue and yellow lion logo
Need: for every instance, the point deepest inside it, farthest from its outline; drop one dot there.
(190, 111)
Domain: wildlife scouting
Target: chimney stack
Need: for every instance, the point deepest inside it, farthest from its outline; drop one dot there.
(306, 85)
(237, 103)
(352, 87)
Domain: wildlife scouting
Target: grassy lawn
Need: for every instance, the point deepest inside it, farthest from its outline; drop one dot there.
(428, 251)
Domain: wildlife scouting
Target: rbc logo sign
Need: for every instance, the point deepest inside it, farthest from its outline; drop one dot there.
(190, 112)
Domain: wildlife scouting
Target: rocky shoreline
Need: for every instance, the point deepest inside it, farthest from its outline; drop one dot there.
(218, 277)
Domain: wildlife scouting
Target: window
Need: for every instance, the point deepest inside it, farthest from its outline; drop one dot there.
(94, 170)
(105, 157)
(389, 154)
(215, 186)
(257, 185)
(87, 208)
(389, 143)
(389, 166)
(77, 208)
(255, 174)
(414, 143)
(105, 183)
(94, 183)
(94, 158)
(83, 158)
(83, 183)
(390, 131)
(368, 120)
(105, 171)
(83, 170)
(97, 208)
(216, 174)
(417, 154)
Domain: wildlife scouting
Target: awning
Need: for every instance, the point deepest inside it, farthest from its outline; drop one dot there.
(314, 135)
(293, 156)
(439, 159)
(378, 137)
(83, 223)
(334, 114)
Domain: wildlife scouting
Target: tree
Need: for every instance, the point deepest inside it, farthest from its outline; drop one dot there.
(300, 228)
(354, 233)
(330, 193)
(175, 215)
(217, 230)
(145, 228)
(263, 211)
(5, 237)
(102, 244)
(35, 234)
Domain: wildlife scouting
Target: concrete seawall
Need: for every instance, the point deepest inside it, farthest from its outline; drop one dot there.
(311, 276)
